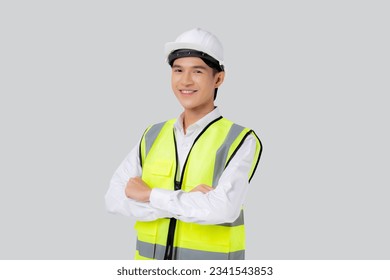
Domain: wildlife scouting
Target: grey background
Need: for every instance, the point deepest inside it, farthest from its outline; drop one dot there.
(81, 80)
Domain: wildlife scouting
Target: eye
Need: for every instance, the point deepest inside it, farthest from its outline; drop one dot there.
(177, 70)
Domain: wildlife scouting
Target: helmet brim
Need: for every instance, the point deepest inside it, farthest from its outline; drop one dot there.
(173, 46)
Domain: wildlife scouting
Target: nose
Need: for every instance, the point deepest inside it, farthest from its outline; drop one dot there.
(186, 78)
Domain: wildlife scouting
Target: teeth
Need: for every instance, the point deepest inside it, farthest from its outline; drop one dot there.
(187, 91)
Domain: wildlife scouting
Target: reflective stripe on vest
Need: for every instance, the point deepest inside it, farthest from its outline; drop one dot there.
(149, 251)
(159, 161)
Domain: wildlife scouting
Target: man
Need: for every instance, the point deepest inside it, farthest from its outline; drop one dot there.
(186, 180)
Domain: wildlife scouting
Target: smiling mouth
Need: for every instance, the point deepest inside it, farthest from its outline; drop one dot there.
(189, 92)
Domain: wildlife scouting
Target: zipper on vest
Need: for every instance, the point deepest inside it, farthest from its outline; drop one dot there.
(169, 252)
(172, 223)
(171, 237)
(171, 231)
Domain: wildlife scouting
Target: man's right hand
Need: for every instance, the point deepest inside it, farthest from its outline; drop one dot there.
(202, 188)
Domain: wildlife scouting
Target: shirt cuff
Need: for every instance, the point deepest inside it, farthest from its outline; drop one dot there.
(159, 198)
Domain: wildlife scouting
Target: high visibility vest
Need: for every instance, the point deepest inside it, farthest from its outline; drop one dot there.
(210, 154)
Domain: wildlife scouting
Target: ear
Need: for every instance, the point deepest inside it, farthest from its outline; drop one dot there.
(219, 78)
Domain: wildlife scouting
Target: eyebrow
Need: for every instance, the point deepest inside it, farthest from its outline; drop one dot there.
(194, 67)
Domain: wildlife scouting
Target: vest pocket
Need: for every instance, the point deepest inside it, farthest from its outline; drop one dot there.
(146, 238)
(152, 238)
(205, 237)
(159, 173)
(161, 167)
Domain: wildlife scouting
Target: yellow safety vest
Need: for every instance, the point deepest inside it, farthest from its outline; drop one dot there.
(211, 152)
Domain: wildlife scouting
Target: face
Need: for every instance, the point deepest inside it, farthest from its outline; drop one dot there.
(194, 82)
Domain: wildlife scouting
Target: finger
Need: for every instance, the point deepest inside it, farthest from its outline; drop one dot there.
(205, 187)
(201, 188)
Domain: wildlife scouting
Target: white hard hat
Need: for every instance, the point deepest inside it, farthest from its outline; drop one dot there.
(197, 39)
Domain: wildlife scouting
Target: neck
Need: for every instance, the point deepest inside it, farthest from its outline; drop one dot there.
(192, 116)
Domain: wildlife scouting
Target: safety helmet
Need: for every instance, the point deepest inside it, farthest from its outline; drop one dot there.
(199, 40)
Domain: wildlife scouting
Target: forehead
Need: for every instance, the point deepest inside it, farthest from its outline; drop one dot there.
(189, 62)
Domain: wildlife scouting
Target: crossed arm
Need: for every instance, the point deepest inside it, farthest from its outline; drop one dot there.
(130, 196)
(138, 190)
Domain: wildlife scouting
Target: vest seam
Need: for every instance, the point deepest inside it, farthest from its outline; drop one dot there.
(139, 147)
(258, 157)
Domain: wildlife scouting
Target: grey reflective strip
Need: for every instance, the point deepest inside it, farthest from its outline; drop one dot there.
(147, 250)
(151, 136)
(188, 254)
(222, 152)
(238, 222)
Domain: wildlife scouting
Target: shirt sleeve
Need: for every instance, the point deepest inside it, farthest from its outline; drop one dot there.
(221, 205)
(116, 200)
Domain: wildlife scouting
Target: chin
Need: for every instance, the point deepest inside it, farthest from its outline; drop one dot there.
(187, 104)
(187, 107)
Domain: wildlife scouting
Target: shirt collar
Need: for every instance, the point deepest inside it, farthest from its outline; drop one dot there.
(200, 124)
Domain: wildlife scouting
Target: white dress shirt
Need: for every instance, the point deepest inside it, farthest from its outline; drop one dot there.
(221, 205)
